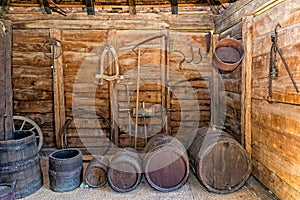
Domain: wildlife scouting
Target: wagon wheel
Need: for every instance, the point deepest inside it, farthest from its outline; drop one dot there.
(24, 123)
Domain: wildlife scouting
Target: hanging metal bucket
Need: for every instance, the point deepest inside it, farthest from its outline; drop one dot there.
(228, 54)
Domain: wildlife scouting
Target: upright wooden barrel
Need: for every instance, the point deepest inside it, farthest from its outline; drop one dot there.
(220, 163)
(7, 191)
(96, 172)
(19, 160)
(166, 164)
(65, 170)
(125, 170)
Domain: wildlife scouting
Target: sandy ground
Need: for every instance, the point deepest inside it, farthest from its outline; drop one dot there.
(192, 190)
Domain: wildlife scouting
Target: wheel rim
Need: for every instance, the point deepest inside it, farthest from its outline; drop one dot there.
(24, 123)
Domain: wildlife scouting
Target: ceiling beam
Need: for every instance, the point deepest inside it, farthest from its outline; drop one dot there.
(174, 6)
(90, 7)
(132, 7)
(44, 4)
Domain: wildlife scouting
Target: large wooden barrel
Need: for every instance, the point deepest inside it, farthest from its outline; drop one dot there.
(7, 191)
(125, 170)
(96, 172)
(166, 164)
(65, 170)
(220, 163)
(19, 160)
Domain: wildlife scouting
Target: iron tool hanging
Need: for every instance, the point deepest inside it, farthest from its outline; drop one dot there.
(273, 69)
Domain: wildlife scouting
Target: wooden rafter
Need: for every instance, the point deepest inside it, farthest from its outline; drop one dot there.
(174, 6)
(90, 7)
(132, 7)
(5, 6)
(213, 6)
(45, 7)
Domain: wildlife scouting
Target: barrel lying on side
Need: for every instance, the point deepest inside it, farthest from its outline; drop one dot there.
(166, 164)
(65, 170)
(96, 172)
(220, 163)
(125, 170)
(19, 160)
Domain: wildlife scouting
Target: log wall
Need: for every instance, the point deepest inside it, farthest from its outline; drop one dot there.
(275, 125)
(269, 130)
(83, 39)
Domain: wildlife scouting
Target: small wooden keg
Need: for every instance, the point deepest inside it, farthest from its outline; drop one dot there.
(96, 172)
(125, 170)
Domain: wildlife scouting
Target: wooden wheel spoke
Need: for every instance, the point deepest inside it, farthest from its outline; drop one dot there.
(33, 126)
(23, 124)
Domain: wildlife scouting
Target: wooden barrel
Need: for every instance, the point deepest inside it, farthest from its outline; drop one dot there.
(7, 191)
(65, 170)
(220, 163)
(166, 164)
(125, 170)
(19, 160)
(96, 172)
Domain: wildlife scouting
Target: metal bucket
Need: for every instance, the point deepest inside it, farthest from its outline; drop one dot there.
(65, 170)
(19, 160)
(228, 54)
(7, 191)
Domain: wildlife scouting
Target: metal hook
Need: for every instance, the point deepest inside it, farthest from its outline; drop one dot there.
(276, 27)
(183, 57)
(199, 52)
(192, 52)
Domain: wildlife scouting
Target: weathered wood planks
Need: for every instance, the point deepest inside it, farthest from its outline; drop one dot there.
(275, 125)
(6, 105)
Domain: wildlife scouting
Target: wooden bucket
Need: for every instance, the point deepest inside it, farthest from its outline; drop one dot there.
(96, 172)
(125, 170)
(220, 163)
(166, 164)
(65, 170)
(19, 160)
(7, 191)
(228, 54)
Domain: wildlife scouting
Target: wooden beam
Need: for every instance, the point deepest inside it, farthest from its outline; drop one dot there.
(247, 29)
(58, 90)
(132, 7)
(5, 7)
(215, 100)
(213, 7)
(90, 7)
(174, 6)
(6, 105)
(8, 82)
(44, 4)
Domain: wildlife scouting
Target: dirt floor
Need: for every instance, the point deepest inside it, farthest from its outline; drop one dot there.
(192, 190)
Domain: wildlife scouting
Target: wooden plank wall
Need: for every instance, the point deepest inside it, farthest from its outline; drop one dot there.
(229, 24)
(84, 39)
(274, 127)
(32, 80)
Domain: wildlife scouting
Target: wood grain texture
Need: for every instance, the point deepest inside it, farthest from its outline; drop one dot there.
(247, 26)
